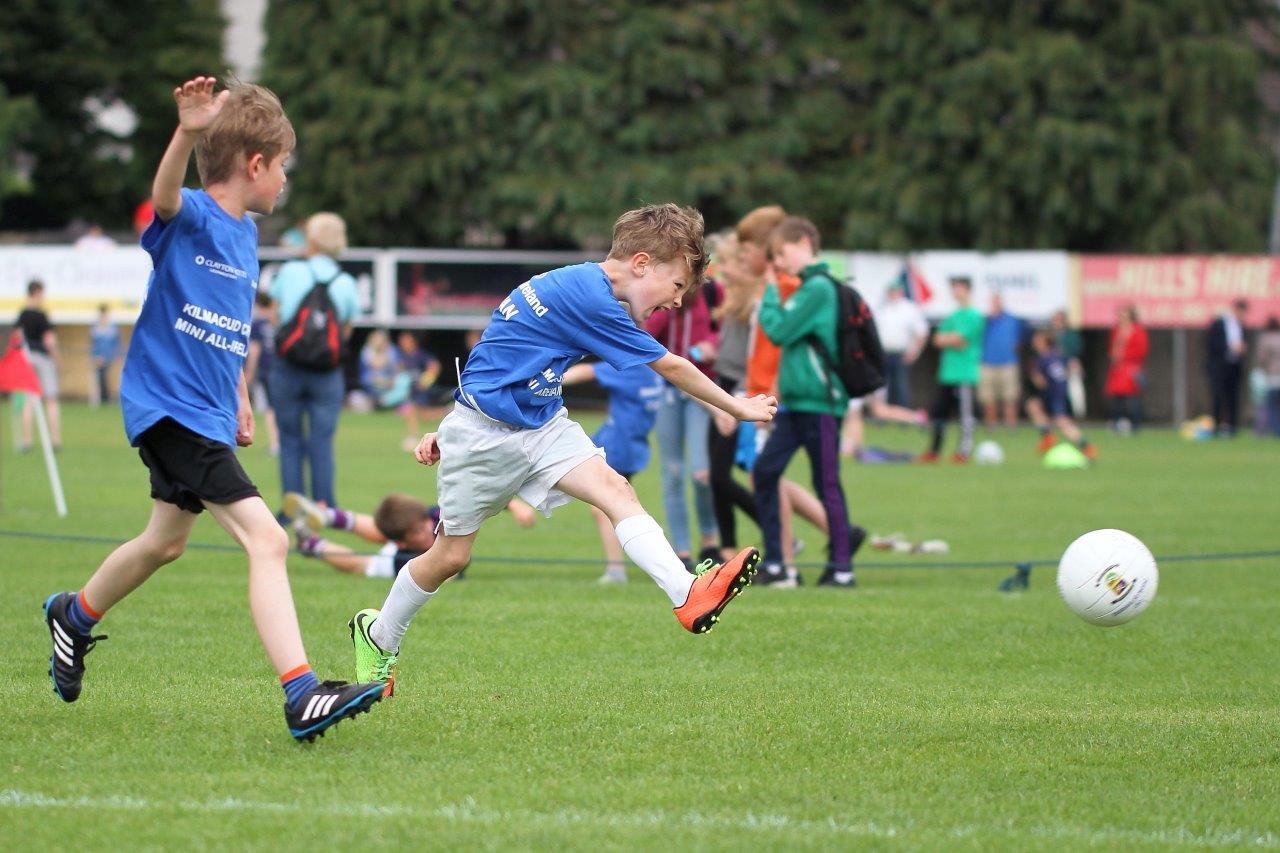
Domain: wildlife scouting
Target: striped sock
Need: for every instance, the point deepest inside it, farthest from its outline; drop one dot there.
(341, 519)
(297, 682)
(81, 616)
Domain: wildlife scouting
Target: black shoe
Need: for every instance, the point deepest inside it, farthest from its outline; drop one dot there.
(688, 564)
(712, 553)
(328, 704)
(66, 661)
(771, 574)
(831, 577)
(857, 535)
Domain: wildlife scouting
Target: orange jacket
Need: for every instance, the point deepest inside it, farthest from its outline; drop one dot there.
(765, 355)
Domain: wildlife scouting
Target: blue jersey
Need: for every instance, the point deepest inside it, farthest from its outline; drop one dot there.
(188, 348)
(544, 327)
(634, 397)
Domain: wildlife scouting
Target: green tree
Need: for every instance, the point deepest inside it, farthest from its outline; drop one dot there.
(17, 115)
(1130, 124)
(1133, 125)
(67, 58)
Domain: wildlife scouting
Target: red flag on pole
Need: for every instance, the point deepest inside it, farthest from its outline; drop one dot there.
(16, 373)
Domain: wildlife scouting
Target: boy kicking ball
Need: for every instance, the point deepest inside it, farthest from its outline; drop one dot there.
(509, 433)
(184, 399)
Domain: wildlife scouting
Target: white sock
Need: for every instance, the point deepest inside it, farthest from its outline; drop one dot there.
(645, 543)
(405, 599)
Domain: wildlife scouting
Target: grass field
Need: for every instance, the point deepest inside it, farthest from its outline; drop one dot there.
(535, 709)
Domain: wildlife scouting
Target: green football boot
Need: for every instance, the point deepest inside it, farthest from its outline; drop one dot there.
(372, 663)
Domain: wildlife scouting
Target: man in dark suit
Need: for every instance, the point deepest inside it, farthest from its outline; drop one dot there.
(1227, 350)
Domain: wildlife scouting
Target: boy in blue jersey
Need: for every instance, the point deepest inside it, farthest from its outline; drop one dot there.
(634, 397)
(509, 433)
(1048, 407)
(184, 398)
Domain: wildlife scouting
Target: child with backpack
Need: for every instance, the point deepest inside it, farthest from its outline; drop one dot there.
(813, 397)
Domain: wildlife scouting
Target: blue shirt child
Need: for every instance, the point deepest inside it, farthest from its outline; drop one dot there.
(104, 342)
(634, 397)
(188, 348)
(543, 328)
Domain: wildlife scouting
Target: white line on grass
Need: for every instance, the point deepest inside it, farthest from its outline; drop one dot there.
(469, 812)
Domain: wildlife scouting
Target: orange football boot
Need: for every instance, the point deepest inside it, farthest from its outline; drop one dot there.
(714, 588)
(1047, 441)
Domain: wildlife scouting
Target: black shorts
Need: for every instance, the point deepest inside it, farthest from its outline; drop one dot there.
(188, 469)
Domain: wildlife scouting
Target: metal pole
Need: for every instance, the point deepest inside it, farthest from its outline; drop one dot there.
(1179, 376)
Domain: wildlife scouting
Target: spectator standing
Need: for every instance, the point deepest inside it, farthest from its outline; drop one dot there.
(815, 400)
(42, 351)
(94, 240)
(1227, 351)
(1267, 358)
(1125, 375)
(257, 366)
(959, 337)
(763, 358)
(104, 349)
(740, 292)
(307, 402)
(681, 427)
(999, 385)
(903, 333)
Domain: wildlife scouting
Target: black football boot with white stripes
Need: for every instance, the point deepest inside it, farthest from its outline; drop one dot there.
(327, 704)
(66, 662)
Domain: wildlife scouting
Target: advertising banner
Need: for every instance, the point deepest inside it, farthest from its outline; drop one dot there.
(76, 281)
(1177, 291)
(1032, 284)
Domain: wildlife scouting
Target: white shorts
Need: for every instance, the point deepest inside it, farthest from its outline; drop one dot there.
(485, 463)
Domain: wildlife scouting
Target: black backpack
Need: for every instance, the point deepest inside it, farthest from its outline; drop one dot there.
(312, 339)
(859, 359)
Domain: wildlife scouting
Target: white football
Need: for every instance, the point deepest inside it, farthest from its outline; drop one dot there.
(1107, 577)
(988, 453)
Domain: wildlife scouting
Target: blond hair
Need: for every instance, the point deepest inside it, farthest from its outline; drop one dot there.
(741, 288)
(327, 234)
(667, 232)
(757, 225)
(252, 121)
(397, 514)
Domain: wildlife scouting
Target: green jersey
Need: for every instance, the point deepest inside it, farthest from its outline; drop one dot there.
(960, 366)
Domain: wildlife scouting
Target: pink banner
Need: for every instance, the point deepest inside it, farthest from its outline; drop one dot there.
(1177, 291)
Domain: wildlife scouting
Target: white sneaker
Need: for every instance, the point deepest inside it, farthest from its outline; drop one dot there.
(610, 577)
(301, 508)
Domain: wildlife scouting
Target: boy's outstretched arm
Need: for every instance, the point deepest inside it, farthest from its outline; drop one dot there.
(197, 108)
(682, 373)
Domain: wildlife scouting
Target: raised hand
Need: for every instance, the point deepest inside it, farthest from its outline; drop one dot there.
(197, 105)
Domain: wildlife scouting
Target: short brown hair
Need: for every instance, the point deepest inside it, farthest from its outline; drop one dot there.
(35, 286)
(667, 232)
(793, 229)
(757, 225)
(397, 514)
(252, 121)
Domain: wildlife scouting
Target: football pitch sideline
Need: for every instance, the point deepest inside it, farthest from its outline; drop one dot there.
(534, 708)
